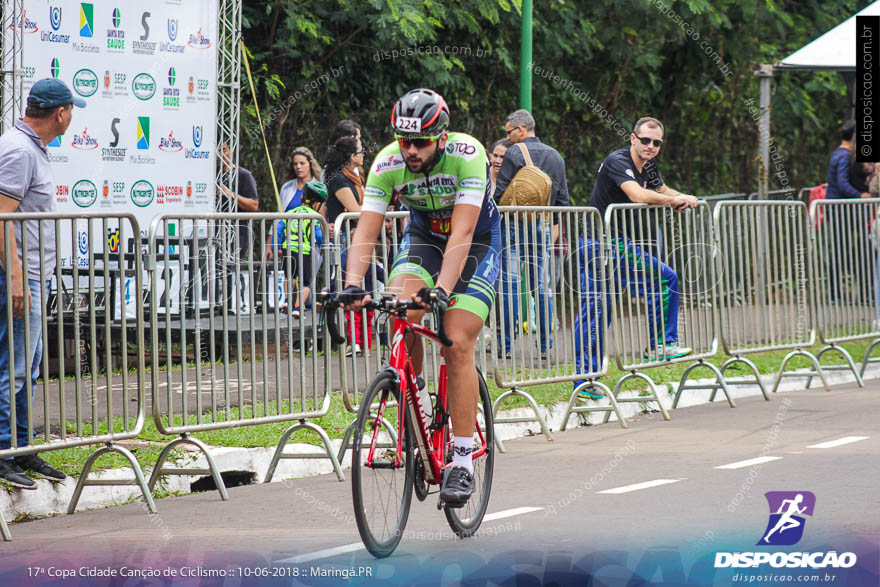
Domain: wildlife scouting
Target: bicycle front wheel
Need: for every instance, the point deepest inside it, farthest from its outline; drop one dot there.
(465, 521)
(381, 483)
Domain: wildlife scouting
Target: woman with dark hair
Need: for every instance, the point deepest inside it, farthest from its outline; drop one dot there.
(303, 168)
(345, 186)
(496, 157)
(346, 194)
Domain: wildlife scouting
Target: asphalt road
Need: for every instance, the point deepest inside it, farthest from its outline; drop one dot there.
(647, 503)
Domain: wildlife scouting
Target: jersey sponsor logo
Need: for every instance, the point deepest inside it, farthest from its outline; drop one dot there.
(387, 164)
(373, 192)
(440, 222)
(473, 183)
(465, 151)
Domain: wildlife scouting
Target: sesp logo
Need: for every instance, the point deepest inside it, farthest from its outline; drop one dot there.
(786, 524)
(86, 20)
(55, 17)
(197, 136)
(172, 29)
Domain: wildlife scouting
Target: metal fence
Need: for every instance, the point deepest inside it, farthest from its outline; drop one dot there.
(764, 263)
(548, 303)
(846, 277)
(76, 274)
(664, 260)
(229, 345)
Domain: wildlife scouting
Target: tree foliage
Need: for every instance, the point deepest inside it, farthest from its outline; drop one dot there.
(613, 60)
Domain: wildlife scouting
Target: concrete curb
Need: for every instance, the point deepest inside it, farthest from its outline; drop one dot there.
(53, 498)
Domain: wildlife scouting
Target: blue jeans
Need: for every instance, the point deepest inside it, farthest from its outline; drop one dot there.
(633, 268)
(27, 361)
(524, 245)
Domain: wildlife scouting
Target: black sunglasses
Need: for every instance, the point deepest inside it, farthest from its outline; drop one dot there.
(645, 141)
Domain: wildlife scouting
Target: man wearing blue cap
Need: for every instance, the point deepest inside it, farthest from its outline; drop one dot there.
(26, 185)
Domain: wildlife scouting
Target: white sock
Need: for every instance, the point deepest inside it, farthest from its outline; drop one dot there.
(462, 447)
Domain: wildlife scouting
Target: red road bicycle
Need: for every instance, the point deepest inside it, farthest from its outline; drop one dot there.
(395, 451)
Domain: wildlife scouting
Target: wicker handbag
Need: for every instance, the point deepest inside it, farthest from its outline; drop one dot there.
(529, 187)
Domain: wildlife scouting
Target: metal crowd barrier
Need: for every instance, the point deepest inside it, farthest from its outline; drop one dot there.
(846, 277)
(764, 264)
(89, 322)
(777, 195)
(664, 259)
(544, 311)
(713, 199)
(228, 347)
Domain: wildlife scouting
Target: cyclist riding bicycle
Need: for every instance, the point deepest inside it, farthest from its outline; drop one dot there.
(451, 247)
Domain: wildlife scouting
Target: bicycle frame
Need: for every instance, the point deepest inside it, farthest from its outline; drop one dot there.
(431, 443)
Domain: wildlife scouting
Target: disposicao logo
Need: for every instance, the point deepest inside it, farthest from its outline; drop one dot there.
(787, 508)
(786, 528)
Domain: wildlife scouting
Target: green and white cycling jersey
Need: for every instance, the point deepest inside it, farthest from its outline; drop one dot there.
(459, 177)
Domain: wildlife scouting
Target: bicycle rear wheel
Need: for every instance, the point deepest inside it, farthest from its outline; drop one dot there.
(465, 521)
(381, 490)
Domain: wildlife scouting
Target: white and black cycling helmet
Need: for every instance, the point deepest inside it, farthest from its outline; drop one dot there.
(420, 113)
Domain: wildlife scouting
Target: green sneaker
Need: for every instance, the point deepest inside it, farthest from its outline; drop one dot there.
(667, 352)
(588, 391)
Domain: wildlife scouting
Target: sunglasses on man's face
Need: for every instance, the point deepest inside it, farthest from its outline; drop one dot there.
(420, 143)
(646, 141)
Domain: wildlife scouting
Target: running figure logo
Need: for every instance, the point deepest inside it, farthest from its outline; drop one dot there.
(786, 525)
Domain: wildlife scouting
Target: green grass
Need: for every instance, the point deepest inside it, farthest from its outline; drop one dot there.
(337, 418)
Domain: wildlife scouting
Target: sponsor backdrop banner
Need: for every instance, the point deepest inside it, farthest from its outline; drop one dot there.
(145, 143)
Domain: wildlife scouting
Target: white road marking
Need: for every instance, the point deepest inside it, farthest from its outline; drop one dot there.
(748, 463)
(294, 560)
(637, 486)
(510, 513)
(839, 442)
(355, 546)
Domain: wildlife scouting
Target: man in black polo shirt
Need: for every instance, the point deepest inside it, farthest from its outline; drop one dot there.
(630, 175)
(534, 241)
